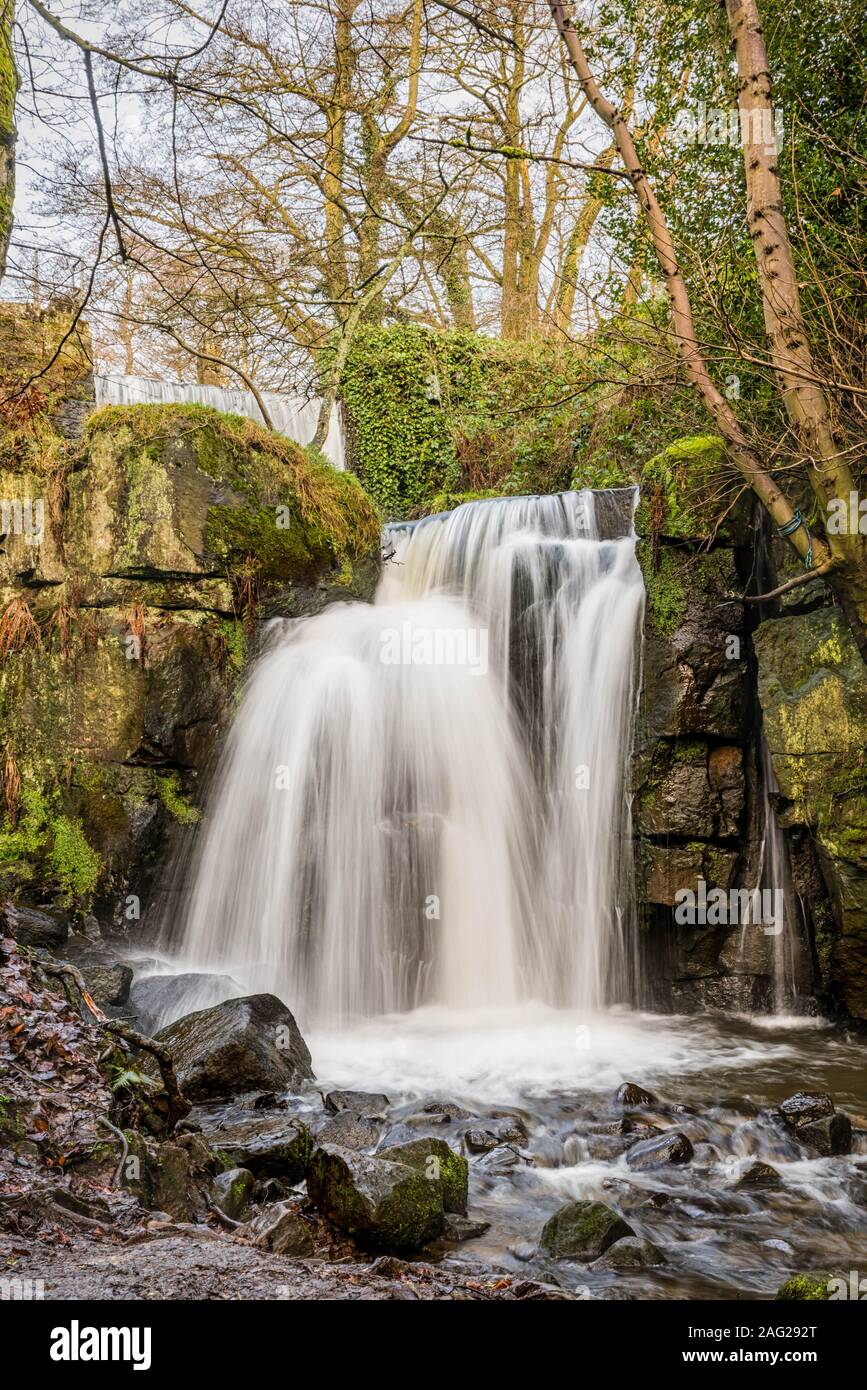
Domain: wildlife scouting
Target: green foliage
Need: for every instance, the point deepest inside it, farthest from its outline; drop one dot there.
(75, 865)
(666, 595)
(434, 415)
(169, 791)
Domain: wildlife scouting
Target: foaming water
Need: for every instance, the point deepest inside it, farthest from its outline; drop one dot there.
(532, 1052)
(424, 800)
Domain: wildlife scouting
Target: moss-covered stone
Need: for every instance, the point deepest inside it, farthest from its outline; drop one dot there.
(806, 1288)
(123, 607)
(386, 1205)
(440, 1163)
(582, 1231)
(689, 491)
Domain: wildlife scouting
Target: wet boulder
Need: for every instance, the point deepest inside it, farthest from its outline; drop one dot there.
(805, 1107)
(31, 927)
(673, 1147)
(501, 1129)
(281, 1229)
(108, 983)
(459, 1228)
(829, 1136)
(439, 1163)
(583, 1231)
(270, 1145)
(759, 1175)
(502, 1161)
(233, 1191)
(160, 1000)
(629, 1095)
(382, 1204)
(631, 1253)
(370, 1105)
(350, 1131)
(249, 1044)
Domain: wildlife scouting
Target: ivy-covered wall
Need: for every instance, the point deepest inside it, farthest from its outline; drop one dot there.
(432, 417)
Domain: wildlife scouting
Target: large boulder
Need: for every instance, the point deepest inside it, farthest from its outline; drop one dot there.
(134, 629)
(383, 1204)
(249, 1044)
(583, 1231)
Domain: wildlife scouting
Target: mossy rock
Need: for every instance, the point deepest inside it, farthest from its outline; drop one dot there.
(691, 492)
(440, 1163)
(582, 1231)
(184, 490)
(386, 1205)
(806, 1288)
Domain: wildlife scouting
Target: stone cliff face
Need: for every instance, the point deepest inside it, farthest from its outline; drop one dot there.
(813, 693)
(139, 548)
(712, 681)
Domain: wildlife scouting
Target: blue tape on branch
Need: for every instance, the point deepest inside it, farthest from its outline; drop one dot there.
(789, 530)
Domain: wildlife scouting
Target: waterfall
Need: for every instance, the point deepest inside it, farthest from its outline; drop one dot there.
(425, 800)
(774, 876)
(294, 416)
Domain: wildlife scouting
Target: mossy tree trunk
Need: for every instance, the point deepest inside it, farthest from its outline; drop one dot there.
(8, 93)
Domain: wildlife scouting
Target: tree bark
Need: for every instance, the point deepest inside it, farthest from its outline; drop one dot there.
(8, 93)
(575, 248)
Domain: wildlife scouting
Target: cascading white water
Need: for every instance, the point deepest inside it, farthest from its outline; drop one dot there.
(774, 876)
(424, 800)
(294, 416)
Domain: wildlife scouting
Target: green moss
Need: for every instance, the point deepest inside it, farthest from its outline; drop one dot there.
(439, 415)
(235, 638)
(685, 489)
(598, 474)
(169, 792)
(806, 1288)
(75, 864)
(666, 594)
(281, 504)
(439, 1162)
(28, 837)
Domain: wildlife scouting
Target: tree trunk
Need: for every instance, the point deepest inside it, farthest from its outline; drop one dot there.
(332, 180)
(8, 93)
(575, 248)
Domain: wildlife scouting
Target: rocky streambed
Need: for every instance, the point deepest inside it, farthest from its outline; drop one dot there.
(424, 1156)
